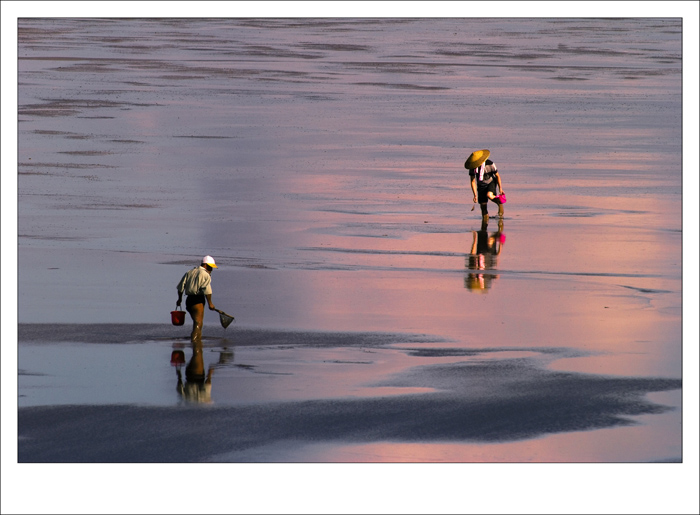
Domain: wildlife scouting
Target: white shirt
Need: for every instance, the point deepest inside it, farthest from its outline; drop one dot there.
(195, 282)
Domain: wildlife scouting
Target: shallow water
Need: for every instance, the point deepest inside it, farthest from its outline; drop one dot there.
(321, 163)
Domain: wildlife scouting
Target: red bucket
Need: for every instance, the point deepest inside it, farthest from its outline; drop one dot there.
(178, 317)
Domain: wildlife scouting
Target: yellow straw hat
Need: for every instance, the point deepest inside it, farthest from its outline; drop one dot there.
(476, 158)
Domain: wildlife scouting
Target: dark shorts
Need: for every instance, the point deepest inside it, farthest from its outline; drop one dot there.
(193, 300)
(483, 192)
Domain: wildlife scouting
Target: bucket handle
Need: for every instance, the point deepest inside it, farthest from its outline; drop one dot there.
(178, 308)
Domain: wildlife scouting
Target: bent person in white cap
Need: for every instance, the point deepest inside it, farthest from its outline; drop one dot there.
(196, 283)
(484, 179)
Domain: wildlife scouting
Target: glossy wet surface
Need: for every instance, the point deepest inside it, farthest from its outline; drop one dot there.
(365, 395)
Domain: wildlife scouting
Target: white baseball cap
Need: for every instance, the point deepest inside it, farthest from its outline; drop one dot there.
(208, 260)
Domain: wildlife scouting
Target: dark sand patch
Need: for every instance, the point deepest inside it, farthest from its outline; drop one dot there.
(522, 403)
(129, 333)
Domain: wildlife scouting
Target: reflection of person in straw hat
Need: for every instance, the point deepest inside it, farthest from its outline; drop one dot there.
(484, 180)
(196, 283)
(483, 257)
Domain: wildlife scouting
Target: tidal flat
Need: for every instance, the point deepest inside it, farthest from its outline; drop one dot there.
(321, 163)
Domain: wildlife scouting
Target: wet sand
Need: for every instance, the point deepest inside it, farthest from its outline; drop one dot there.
(377, 318)
(299, 391)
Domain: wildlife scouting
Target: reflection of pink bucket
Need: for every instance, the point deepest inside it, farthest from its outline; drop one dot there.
(178, 317)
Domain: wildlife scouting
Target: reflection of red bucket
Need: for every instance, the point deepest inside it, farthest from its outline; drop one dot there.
(177, 358)
(178, 317)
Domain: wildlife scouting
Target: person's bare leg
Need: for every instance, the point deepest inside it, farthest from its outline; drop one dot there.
(492, 197)
(197, 314)
(195, 368)
(484, 212)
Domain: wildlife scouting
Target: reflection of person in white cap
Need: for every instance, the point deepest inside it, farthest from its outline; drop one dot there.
(197, 387)
(196, 283)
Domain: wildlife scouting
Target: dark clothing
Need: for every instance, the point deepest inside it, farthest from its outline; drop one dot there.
(489, 172)
(485, 180)
(194, 299)
(484, 190)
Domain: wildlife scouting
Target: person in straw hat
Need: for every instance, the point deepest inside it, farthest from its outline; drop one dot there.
(484, 180)
(196, 283)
